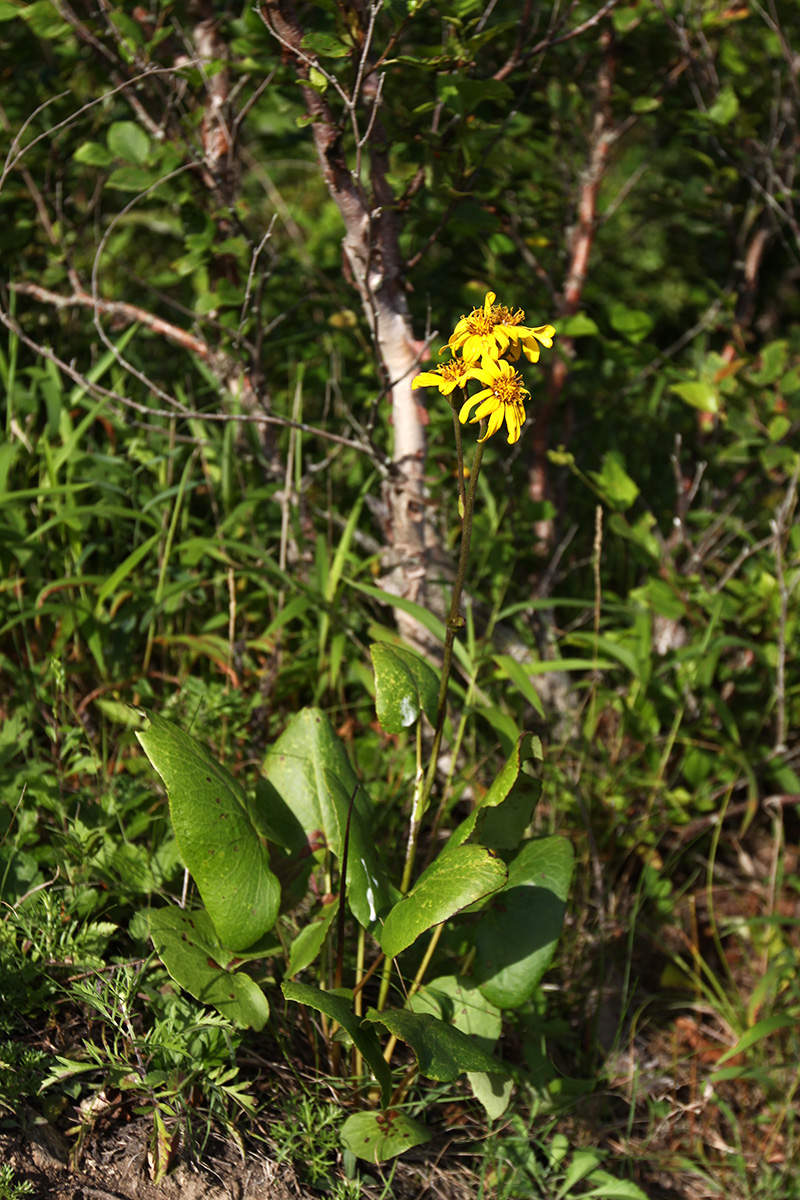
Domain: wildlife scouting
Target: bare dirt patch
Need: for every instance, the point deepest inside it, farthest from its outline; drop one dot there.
(116, 1169)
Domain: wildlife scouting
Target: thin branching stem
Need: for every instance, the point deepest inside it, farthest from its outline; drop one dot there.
(454, 623)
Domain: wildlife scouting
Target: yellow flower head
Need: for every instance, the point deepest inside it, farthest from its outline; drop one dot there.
(449, 375)
(494, 329)
(501, 400)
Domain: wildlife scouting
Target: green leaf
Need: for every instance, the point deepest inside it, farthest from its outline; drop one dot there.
(405, 686)
(725, 107)
(308, 943)
(492, 1090)
(317, 80)
(307, 789)
(613, 1189)
(326, 45)
(190, 950)
(500, 819)
(613, 481)
(216, 832)
(631, 323)
(441, 1050)
(646, 104)
(578, 325)
(700, 395)
(131, 179)
(128, 141)
(759, 1031)
(450, 883)
(773, 363)
(516, 672)
(376, 1137)
(93, 154)
(338, 1006)
(517, 934)
(458, 1000)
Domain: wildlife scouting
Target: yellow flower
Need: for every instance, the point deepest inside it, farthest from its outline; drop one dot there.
(525, 338)
(495, 329)
(501, 400)
(449, 375)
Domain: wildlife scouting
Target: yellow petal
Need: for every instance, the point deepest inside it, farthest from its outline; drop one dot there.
(465, 410)
(545, 334)
(495, 421)
(490, 405)
(427, 379)
(489, 301)
(514, 419)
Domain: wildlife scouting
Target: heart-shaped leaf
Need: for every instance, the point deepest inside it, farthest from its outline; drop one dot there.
(307, 790)
(338, 1005)
(216, 830)
(517, 934)
(457, 999)
(442, 1051)
(405, 686)
(500, 819)
(450, 883)
(190, 950)
(376, 1136)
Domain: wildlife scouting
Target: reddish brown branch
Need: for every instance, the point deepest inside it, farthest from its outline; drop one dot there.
(119, 311)
(580, 242)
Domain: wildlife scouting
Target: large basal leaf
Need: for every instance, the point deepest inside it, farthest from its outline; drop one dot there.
(376, 1136)
(442, 1051)
(306, 792)
(517, 934)
(339, 1007)
(457, 999)
(215, 827)
(500, 819)
(405, 687)
(450, 883)
(369, 892)
(190, 950)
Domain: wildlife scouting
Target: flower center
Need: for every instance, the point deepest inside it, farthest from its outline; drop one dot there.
(480, 323)
(508, 389)
(504, 316)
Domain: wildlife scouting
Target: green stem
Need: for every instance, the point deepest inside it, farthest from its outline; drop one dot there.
(460, 467)
(454, 623)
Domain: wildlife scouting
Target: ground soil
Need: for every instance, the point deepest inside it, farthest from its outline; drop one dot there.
(113, 1165)
(117, 1169)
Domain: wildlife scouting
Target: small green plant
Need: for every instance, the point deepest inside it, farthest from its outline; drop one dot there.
(12, 1188)
(521, 1164)
(307, 1135)
(176, 1060)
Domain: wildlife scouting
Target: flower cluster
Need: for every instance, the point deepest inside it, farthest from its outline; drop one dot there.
(483, 346)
